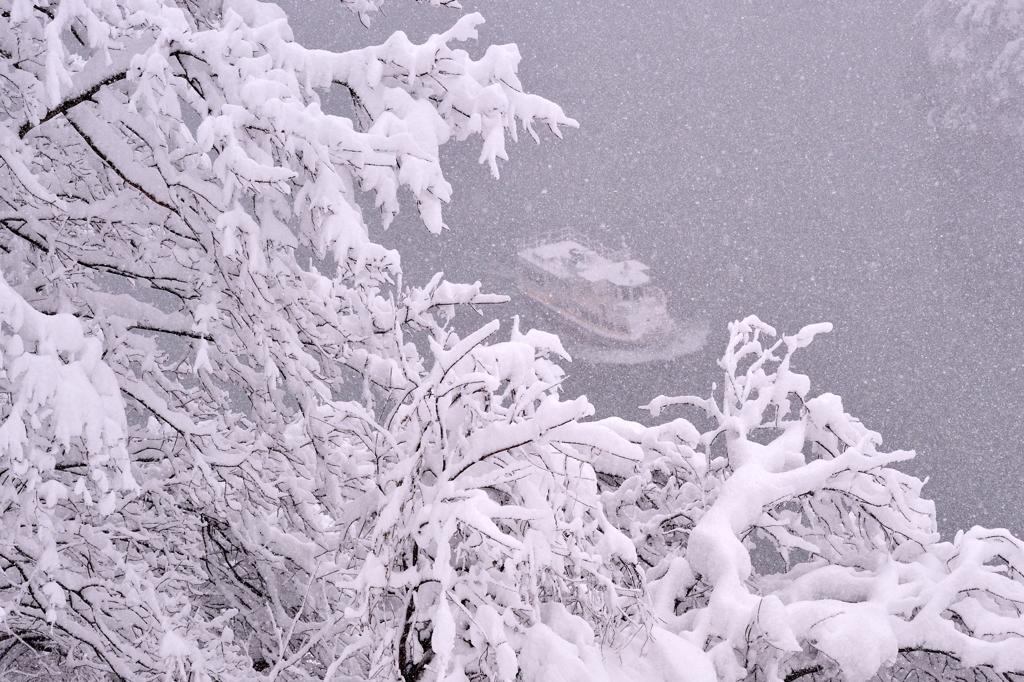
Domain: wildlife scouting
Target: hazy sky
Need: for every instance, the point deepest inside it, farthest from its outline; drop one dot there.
(770, 158)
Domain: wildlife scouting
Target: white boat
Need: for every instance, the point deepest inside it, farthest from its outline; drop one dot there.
(608, 296)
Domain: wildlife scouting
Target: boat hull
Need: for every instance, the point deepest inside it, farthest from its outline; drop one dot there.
(578, 320)
(593, 344)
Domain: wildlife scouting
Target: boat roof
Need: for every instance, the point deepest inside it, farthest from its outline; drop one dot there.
(568, 259)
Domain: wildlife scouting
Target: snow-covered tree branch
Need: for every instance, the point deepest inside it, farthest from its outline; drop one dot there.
(782, 536)
(976, 49)
(200, 430)
(235, 444)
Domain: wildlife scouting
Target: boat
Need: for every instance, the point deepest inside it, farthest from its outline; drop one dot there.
(609, 298)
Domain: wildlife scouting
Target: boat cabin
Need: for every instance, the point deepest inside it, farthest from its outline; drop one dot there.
(612, 292)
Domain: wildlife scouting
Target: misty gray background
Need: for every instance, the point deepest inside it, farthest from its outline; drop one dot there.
(770, 158)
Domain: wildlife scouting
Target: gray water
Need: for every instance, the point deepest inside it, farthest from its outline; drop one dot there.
(770, 158)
